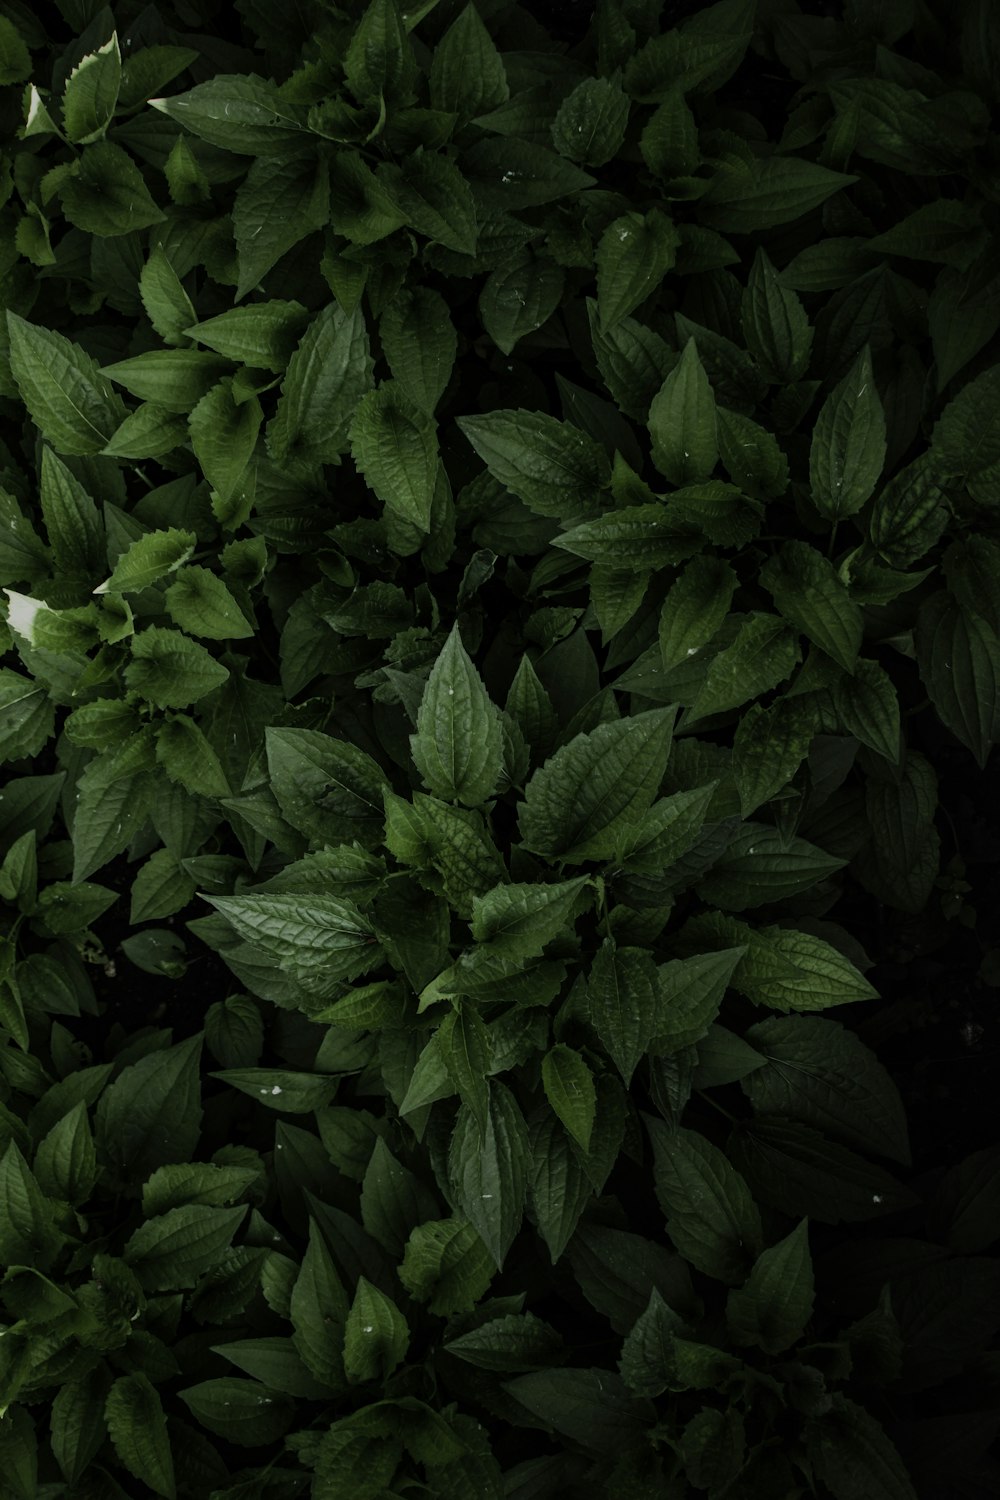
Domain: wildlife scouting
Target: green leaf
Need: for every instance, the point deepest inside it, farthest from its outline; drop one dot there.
(689, 996)
(769, 746)
(518, 298)
(436, 200)
(446, 1265)
(910, 513)
(751, 456)
(149, 69)
(851, 1455)
(457, 747)
(67, 396)
(66, 1159)
(808, 593)
(281, 1089)
(113, 802)
(394, 445)
(821, 1073)
(519, 920)
(552, 466)
(578, 801)
(867, 706)
(148, 559)
(848, 443)
(164, 297)
(682, 422)
(711, 1217)
(241, 113)
(200, 603)
(591, 122)
(78, 1428)
(762, 655)
(106, 195)
(647, 1358)
(261, 334)
(148, 432)
(319, 1308)
(91, 93)
(328, 789)
(15, 59)
(775, 324)
(72, 520)
(318, 938)
(695, 608)
(622, 996)
(393, 1200)
(281, 200)
(641, 537)
(379, 62)
(223, 436)
(243, 1412)
(171, 1250)
(376, 1336)
(188, 758)
(489, 1175)
(695, 57)
(420, 343)
(775, 1303)
(761, 866)
(958, 655)
(151, 1114)
(467, 74)
(793, 1168)
(175, 379)
(464, 1044)
(569, 1088)
(966, 436)
(633, 255)
(513, 1342)
(27, 715)
(138, 1430)
(27, 1230)
(169, 670)
(745, 198)
(327, 376)
(593, 1407)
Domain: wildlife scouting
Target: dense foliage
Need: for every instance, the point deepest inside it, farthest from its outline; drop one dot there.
(499, 534)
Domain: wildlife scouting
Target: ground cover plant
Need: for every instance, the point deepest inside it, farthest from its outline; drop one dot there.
(498, 831)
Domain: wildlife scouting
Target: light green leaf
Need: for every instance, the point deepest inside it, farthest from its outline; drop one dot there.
(682, 422)
(91, 93)
(170, 670)
(576, 803)
(148, 559)
(848, 443)
(633, 255)
(457, 747)
(518, 920)
(711, 1217)
(67, 396)
(552, 466)
(569, 1088)
(376, 1337)
(394, 445)
(138, 1430)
